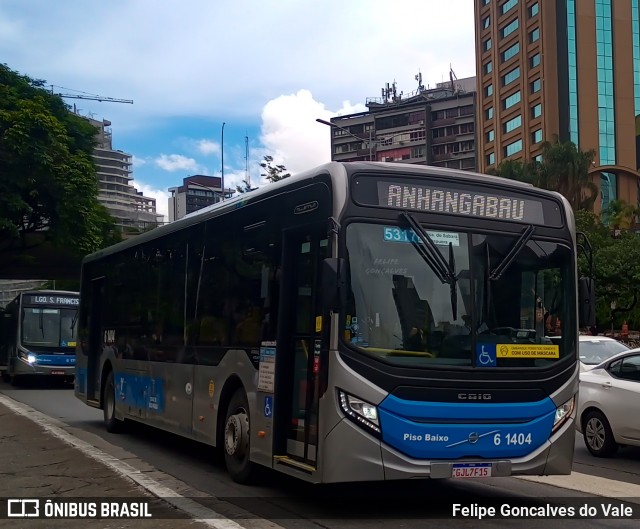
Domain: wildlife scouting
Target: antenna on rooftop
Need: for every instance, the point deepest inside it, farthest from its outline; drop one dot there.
(247, 176)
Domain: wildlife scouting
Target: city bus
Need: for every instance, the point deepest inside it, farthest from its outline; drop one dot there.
(360, 321)
(38, 335)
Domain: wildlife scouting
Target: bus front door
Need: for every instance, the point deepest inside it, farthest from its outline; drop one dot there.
(300, 381)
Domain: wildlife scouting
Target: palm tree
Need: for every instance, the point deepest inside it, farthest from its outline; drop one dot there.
(619, 215)
(565, 168)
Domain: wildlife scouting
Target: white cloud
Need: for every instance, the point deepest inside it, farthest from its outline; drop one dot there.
(137, 161)
(176, 162)
(169, 61)
(208, 147)
(291, 134)
(162, 198)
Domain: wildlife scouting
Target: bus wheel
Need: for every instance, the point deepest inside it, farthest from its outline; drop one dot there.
(236, 438)
(113, 424)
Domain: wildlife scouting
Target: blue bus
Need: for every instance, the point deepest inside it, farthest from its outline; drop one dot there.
(38, 335)
(359, 321)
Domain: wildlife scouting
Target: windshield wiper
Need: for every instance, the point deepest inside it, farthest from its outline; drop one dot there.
(41, 321)
(502, 266)
(444, 271)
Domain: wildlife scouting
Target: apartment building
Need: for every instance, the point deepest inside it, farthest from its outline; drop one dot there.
(128, 206)
(196, 192)
(428, 126)
(565, 68)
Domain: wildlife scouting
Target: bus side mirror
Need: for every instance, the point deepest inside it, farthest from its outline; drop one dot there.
(334, 283)
(586, 302)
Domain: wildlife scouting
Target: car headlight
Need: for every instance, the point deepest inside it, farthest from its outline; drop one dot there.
(361, 412)
(563, 413)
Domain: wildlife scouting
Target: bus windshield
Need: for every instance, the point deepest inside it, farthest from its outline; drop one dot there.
(49, 327)
(487, 300)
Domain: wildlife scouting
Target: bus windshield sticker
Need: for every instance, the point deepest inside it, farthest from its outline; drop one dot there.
(440, 238)
(471, 203)
(510, 350)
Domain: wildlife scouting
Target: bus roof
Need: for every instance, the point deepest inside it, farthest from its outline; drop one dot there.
(331, 168)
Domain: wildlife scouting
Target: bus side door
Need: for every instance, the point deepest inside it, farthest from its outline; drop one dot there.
(301, 331)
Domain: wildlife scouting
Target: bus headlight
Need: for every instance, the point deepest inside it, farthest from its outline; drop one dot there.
(30, 358)
(563, 413)
(360, 411)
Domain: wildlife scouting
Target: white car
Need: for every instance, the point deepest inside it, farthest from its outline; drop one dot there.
(593, 350)
(608, 404)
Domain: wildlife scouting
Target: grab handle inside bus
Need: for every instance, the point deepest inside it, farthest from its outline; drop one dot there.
(586, 302)
(334, 283)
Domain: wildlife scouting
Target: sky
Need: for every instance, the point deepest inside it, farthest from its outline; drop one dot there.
(247, 76)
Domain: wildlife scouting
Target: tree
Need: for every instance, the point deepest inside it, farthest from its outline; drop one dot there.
(273, 173)
(564, 168)
(48, 184)
(245, 187)
(619, 215)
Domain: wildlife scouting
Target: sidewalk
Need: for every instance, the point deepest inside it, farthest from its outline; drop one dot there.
(36, 464)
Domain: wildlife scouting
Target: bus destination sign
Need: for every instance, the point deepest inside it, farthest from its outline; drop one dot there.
(473, 203)
(44, 299)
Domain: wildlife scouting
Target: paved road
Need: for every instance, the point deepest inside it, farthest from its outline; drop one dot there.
(193, 469)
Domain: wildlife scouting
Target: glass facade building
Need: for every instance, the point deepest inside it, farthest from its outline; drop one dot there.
(568, 69)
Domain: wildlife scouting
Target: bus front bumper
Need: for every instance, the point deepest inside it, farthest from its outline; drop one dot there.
(22, 367)
(370, 459)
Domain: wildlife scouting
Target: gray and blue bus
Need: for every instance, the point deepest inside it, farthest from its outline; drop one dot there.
(38, 335)
(358, 321)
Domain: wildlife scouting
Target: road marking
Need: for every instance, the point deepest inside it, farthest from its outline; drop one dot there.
(197, 512)
(589, 484)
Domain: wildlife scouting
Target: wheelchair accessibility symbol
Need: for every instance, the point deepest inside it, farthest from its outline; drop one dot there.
(268, 406)
(486, 355)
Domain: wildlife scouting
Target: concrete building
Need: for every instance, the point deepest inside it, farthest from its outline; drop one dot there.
(196, 192)
(569, 68)
(428, 126)
(129, 207)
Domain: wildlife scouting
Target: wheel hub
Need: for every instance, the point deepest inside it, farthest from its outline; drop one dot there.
(236, 434)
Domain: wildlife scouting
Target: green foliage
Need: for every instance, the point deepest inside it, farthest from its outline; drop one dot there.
(564, 168)
(48, 184)
(273, 173)
(616, 268)
(245, 187)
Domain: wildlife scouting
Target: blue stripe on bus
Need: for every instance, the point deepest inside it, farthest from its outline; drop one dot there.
(56, 360)
(81, 380)
(418, 430)
(140, 391)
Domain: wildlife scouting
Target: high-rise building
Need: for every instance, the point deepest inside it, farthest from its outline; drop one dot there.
(128, 206)
(196, 192)
(428, 126)
(565, 68)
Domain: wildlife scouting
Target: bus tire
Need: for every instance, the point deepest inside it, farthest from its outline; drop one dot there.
(598, 436)
(113, 424)
(236, 438)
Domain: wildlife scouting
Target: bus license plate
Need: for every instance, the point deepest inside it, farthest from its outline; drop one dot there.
(471, 470)
(57, 372)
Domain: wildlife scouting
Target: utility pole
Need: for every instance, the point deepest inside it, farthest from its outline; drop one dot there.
(222, 158)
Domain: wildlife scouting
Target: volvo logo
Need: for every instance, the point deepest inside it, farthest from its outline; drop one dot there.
(474, 396)
(473, 438)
